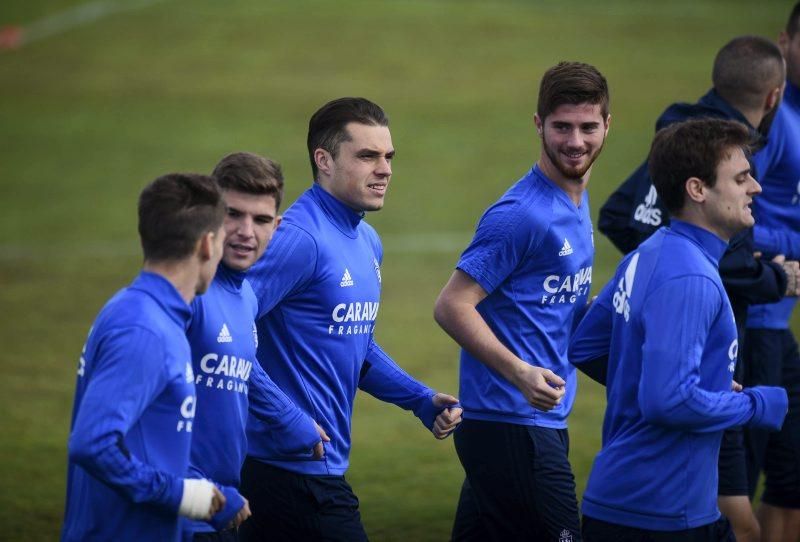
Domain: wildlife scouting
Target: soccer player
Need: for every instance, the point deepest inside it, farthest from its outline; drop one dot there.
(318, 288)
(748, 77)
(223, 338)
(661, 336)
(770, 343)
(510, 304)
(135, 392)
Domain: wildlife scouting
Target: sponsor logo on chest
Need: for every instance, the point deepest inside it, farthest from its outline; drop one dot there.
(188, 405)
(566, 288)
(224, 372)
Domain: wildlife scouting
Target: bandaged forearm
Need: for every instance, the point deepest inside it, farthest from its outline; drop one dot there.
(196, 500)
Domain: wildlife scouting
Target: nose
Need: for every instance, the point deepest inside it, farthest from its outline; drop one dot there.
(245, 228)
(756, 188)
(383, 168)
(574, 139)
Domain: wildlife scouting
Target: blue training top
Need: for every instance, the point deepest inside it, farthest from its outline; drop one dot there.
(777, 209)
(222, 334)
(318, 288)
(532, 254)
(132, 418)
(666, 327)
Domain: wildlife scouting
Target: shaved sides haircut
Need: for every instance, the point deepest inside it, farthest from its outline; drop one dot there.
(746, 69)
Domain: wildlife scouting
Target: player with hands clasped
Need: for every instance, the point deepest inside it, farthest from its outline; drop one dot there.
(662, 338)
(135, 393)
(318, 288)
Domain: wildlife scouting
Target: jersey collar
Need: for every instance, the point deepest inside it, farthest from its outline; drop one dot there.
(229, 279)
(165, 294)
(713, 100)
(711, 245)
(538, 173)
(343, 217)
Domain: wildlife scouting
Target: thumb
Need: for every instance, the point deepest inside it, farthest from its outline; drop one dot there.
(442, 400)
(779, 259)
(322, 434)
(553, 378)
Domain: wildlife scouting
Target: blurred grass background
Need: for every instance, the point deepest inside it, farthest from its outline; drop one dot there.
(90, 115)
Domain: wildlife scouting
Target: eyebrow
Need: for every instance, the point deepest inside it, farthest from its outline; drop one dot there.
(373, 152)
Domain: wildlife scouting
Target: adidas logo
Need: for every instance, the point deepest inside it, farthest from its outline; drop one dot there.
(224, 335)
(347, 280)
(566, 250)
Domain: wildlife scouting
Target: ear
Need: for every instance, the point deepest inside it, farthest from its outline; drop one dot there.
(773, 99)
(324, 161)
(205, 247)
(696, 189)
(608, 124)
(278, 220)
(539, 123)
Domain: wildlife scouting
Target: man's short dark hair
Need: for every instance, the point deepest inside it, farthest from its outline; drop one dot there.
(252, 174)
(746, 69)
(327, 127)
(693, 148)
(793, 24)
(572, 83)
(175, 211)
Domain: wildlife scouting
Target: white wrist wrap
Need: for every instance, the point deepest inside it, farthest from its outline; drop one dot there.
(196, 500)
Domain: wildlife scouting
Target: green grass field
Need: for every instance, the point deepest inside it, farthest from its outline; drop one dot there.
(90, 115)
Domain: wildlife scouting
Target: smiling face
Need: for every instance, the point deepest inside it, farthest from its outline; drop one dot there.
(572, 138)
(359, 175)
(727, 203)
(250, 221)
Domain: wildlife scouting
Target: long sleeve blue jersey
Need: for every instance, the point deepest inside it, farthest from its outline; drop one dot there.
(318, 289)
(229, 381)
(132, 418)
(777, 209)
(664, 329)
(532, 254)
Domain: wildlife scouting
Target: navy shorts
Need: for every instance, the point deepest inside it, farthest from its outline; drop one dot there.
(290, 506)
(782, 460)
(732, 466)
(595, 530)
(763, 355)
(519, 484)
(227, 535)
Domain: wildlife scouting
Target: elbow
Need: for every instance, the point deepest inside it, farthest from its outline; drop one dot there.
(655, 409)
(79, 450)
(441, 311)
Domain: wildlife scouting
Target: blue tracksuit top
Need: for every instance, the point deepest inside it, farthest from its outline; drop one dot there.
(318, 288)
(132, 418)
(666, 326)
(228, 381)
(777, 209)
(532, 254)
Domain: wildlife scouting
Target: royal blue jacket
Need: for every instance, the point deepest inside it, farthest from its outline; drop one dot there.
(532, 254)
(229, 382)
(318, 288)
(662, 338)
(132, 418)
(777, 209)
(634, 211)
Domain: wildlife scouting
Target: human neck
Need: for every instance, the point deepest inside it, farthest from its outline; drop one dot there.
(574, 188)
(182, 274)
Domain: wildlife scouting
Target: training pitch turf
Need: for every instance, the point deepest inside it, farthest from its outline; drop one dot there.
(95, 106)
